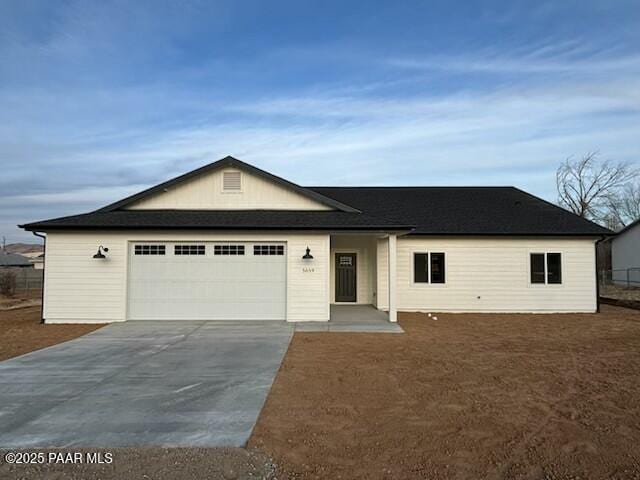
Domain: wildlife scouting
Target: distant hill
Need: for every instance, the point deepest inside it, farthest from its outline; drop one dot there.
(23, 248)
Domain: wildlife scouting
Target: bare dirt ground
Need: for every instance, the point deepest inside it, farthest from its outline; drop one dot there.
(21, 332)
(467, 396)
(151, 464)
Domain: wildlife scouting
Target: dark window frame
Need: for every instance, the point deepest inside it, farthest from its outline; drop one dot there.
(189, 249)
(147, 249)
(427, 276)
(228, 249)
(268, 250)
(547, 277)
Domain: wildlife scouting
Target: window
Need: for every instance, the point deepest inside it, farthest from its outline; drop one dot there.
(554, 268)
(546, 268)
(429, 267)
(345, 261)
(421, 267)
(228, 250)
(268, 249)
(149, 250)
(537, 268)
(231, 182)
(188, 249)
(437, 268)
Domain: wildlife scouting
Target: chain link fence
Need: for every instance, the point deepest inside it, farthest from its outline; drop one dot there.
(620, 284)
(25, 278)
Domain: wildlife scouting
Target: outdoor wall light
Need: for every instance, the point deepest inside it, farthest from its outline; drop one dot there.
(307, 256)
(100, 250)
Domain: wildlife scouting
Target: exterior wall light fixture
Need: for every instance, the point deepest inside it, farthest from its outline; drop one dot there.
(101, 252)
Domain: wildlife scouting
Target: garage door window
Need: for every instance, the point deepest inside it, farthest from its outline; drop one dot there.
(228, 250)
(188, 249)
(149, 250)
(268, 249)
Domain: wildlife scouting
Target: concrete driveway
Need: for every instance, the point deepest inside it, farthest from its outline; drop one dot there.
(174, 384)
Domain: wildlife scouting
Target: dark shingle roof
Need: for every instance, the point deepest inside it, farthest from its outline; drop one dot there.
(423, 210)
(221, 219)
(465, 210)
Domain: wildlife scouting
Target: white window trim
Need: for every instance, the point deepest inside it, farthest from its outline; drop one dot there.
(428, 282)
(546, 277)
(232, 192)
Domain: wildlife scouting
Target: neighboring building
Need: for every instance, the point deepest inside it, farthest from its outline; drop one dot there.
(37, 261)
(230, 241)
(13, 260)
(32, 254)
(625, 255)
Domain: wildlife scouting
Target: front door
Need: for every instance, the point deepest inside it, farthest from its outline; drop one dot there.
(345, 277)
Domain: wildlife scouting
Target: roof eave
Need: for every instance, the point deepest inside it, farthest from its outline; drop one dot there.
(44, 228)
(510, 234)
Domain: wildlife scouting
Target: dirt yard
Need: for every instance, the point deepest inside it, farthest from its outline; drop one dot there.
(463, 397)
(466, 396)
(151, 464)
(21, 332)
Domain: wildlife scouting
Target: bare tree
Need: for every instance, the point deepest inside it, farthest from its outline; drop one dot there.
(623, 206)
(8, 283)
(586, 185)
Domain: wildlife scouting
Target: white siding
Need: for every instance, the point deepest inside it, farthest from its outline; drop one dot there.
(365, 249)
(79, 288)
(206, 193)
(382, 274)
(492, 275)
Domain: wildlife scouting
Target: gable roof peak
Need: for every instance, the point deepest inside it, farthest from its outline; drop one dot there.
(225, 162)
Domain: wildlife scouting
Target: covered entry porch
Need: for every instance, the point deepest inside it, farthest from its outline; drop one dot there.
(362, 276)
(352, 318)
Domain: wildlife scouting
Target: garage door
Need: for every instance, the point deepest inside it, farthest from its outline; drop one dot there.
(207, 281)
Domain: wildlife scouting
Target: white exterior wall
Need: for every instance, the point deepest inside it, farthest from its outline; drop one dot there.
(382, 274)
(81, 289)
(205, 193)
(497, 271)
(625, 251)
(365, 249)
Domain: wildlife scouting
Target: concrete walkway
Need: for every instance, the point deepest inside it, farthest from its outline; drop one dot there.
(173, 384)
(353, 319)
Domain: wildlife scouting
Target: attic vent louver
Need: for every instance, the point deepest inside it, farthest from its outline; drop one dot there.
(231, 182)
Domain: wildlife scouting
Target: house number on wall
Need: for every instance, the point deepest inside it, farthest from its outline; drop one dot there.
(308, 269)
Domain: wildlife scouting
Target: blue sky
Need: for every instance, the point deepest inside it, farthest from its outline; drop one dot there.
(102, 99)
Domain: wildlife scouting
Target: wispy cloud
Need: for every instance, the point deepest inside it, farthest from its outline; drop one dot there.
(101, 100)
(556, 58)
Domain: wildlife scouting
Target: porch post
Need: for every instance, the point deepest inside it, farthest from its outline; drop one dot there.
(393, 314)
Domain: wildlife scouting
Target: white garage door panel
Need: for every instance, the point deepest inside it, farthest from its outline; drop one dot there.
(207, 287)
